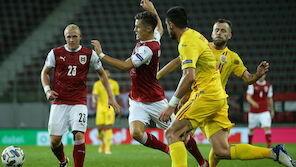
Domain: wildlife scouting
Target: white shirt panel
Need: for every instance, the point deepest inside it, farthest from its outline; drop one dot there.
(157, 35)
(95, 61)
(250, 89)
(270, 92)
(50, 60)
(143, 55)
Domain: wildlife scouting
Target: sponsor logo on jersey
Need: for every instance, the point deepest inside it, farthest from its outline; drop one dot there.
(82, 59)
(63, 58)
(187, 61)
(183, 45)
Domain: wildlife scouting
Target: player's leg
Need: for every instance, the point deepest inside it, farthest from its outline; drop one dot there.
(253, 121)
(101, 136)
(138, 118)
(265, 120)
(190, 143)
(78, 122)
(100, 121)
(109, 121)
(57, 126)
(176, 134)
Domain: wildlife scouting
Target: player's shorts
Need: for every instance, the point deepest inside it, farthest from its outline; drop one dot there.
(257, 119)
(144, 112)
(105, 116)
(210, 115)
(62, 117)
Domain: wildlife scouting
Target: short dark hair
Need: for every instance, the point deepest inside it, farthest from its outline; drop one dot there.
(225, 21)
(147, 18)
(178, 16)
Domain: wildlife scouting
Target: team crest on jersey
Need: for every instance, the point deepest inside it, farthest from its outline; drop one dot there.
(265, 88)
(82, 59)
(223, 59)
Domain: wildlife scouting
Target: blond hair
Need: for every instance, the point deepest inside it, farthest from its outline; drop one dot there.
(71, 27)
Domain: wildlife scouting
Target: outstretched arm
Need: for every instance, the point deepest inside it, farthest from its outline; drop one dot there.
(168, 68)
(105, 82)
(122, 65)
(148, 5)
(252, 78)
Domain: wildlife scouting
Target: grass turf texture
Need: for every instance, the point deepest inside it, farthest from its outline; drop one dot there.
(132, 156)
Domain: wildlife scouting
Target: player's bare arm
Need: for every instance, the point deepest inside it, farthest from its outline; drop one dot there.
(105, 82)
(122, 65)
(270, 102)
(148, 5)
(261, 70)
(168, 68)
(45, 80)
(252, 101)
(184, 86)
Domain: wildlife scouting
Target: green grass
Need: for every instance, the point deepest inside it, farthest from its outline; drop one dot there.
(132, 156)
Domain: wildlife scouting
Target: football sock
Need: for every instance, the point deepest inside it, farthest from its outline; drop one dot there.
(178, 154)
(59, 152)
(108, 138)
(151, 141)
(247, 151)
(79, 153)
(212, 159)
(101, 136)
(268, 138)
(192, 148)
(250, 135)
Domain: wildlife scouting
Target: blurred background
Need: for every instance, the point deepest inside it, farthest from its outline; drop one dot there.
(29, 29)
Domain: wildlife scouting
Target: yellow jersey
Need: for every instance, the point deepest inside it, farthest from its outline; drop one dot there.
(99, 90)
(228, 61)
(195, 52)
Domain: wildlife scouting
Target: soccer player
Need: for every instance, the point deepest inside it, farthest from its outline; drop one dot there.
(259, 95)
(207, 106)
(68, 93)
(146, 97)
(105, 115)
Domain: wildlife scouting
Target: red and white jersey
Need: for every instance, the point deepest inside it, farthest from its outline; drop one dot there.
(70, 72)
(145, 58)
(260, 92)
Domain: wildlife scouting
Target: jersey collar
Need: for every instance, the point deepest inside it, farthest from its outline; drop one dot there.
(261, 83)
(67, 49)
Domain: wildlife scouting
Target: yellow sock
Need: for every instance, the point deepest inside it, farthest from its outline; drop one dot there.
(178, 154)
(212, 159)
(247, 151)
(108, 138)
(101, 136)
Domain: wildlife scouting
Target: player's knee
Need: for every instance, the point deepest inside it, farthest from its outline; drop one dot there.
(78, 135)
(170, 135)
(55, 141)
(137, 134)
(221, 153)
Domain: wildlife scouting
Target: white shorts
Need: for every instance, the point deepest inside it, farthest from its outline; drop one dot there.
(259, 120)
(62, 117)
(144, 112)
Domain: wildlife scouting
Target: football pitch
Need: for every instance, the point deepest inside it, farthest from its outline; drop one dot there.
(132, 156)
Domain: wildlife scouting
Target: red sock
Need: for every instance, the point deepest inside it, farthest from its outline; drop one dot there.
(192, 148)
(268, 139)
(250, 139)
(152, 142)
(59, 152)
(79, 154)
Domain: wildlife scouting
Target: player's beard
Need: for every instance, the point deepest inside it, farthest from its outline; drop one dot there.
(219, 43)
(172, 35)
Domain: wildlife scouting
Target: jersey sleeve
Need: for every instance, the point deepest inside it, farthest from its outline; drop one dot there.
(270, 92)
(95, 61)
(116, 89)
(142, 55)
(250, 90)
(238, 66)
(157, 35)
(50, 60)
(189, 54)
